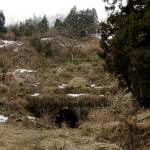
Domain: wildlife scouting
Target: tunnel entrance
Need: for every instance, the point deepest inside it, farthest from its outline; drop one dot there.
(69, 117)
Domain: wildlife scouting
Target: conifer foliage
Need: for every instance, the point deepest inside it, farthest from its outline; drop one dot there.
(78, 21)
(2, 23)
(125, 39)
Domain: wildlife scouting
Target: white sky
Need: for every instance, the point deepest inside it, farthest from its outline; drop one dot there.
(18, 10)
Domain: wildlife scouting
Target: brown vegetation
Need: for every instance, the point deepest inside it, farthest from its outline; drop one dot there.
(115, 121)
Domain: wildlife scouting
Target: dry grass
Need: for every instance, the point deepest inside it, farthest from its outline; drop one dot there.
(42, 102)
(114, 122)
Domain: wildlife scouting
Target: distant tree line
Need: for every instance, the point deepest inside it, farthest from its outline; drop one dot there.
(125, 39)
(31, 26)
(78, 22)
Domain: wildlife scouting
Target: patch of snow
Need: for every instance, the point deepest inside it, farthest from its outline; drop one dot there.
(8, 42)
(23, 70)
(3, 118)
(62, 86)
(99, 87)
(75, 95)
(62, 45)
(97, 35)
(31, 118)
(44, 39)
(35, 94)
(110, 37)
(102, 95)
(34, 85)
(1, 46)
(93, 85)
(20, 43)
(16, 50)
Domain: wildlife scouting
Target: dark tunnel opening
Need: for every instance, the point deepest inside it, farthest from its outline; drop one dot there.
(69, 117)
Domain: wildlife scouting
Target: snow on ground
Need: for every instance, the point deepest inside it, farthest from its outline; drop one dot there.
(16, 50)
(1, 46)
(3, 118)
(110, 37)
(75, 95)
(36, 84)
(31, 118)
(99, 87)
(97, 35)
(93, 85)
(35, 94)
(22, 71)
(102, 95)
(6, 43)
(62, 86)
(44, 39)
(62, 45)
(19, 43)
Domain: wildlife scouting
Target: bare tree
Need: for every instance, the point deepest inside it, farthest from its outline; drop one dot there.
(74, 26)
(74, 37)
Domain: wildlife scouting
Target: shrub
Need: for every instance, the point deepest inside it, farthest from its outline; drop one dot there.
(48, 49)
(80, 60)
(34, 40)
(39, 46)
(16, 31)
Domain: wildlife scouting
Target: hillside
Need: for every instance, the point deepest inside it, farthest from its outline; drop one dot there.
(32, 84)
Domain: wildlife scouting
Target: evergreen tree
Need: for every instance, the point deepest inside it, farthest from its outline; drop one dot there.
(125, 41)
(48, 49)
(78, 21)
(43, 25)
(2, 23)
(58, 24)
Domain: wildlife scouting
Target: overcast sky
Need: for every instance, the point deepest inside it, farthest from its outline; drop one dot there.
(18, 10)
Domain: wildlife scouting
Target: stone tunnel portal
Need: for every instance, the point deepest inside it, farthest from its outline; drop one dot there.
(69, 116)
